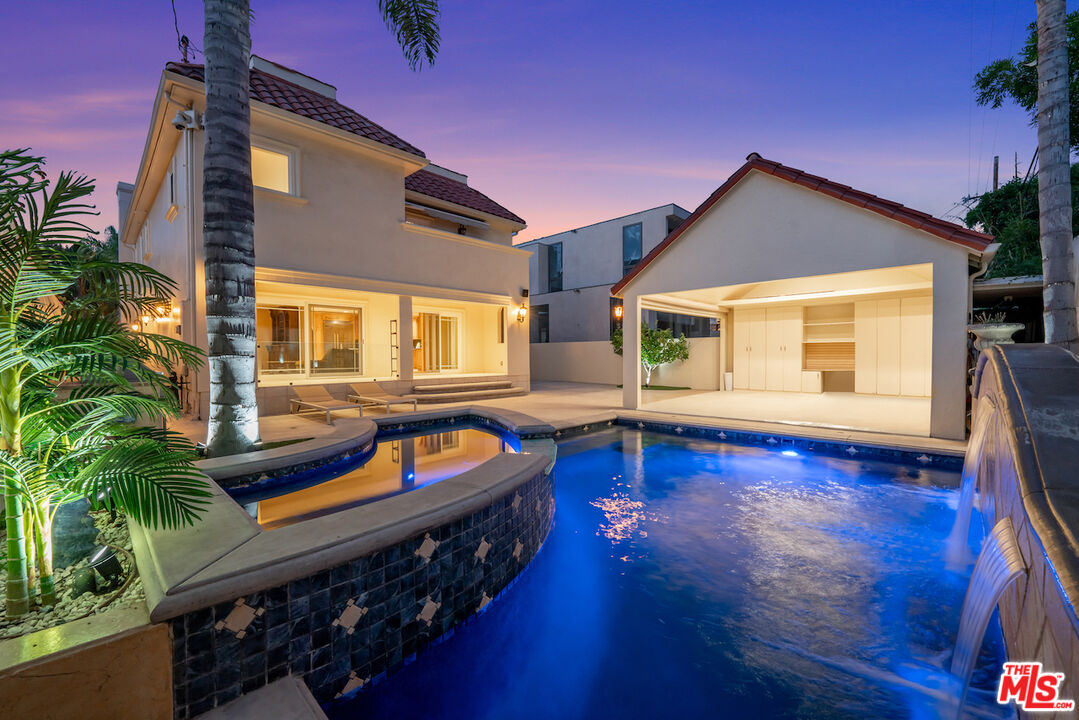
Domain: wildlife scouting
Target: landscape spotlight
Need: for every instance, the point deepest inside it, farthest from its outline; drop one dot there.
(105, 564)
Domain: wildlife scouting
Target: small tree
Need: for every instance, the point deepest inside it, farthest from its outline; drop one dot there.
(81, 390)
(658, 347)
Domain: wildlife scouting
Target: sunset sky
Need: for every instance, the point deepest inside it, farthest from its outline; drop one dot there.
(570, 112)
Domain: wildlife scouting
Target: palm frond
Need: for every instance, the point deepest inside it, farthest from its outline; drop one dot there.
(414, 24)
(149, 477)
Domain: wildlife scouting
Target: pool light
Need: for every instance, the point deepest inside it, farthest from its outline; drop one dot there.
(789, 453)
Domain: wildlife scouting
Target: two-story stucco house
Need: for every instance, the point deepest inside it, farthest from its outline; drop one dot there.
(371, 263)
(572, 312)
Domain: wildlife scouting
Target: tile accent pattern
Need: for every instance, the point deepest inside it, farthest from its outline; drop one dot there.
(343, 627)
(781, 442)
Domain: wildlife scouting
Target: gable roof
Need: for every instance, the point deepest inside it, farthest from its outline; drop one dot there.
(281, 93)
(908, 216)
(438, 186)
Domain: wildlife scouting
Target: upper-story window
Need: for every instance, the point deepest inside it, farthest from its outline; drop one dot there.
(272, 169)
(631, 247)
(554, 267)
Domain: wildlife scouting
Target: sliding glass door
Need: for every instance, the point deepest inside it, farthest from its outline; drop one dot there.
(435, 342)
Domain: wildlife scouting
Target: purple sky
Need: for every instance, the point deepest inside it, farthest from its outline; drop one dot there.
(570, 112)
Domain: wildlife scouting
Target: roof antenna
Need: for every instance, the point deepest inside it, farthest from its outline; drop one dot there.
(181, 40)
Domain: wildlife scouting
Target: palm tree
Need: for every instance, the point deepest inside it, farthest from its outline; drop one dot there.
(1054, 177)
(79, 392)
(228, 209)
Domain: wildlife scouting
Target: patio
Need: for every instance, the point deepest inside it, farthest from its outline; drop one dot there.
(902, 422)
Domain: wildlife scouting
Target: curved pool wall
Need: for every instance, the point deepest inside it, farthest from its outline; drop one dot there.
(341, 599)
(1024, 457)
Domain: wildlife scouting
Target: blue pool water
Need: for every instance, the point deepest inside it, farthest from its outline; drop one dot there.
(692, 579)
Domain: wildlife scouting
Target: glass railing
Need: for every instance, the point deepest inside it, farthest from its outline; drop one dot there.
(292, 358)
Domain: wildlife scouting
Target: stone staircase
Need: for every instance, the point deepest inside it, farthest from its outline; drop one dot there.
(465, 391)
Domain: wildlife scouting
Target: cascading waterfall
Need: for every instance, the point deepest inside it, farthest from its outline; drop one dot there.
(957, 549)
(998, 565)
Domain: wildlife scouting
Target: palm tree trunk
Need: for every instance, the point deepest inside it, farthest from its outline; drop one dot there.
(43, 541)
(228, 229)
(17, 591)
(1054, 177)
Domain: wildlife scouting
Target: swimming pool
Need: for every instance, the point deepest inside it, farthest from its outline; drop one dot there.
(401, 461)
(687, 578)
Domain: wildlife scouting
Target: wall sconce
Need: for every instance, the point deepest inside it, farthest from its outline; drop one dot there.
(135, 327)
(618, 312)
(146, 319)
(522, 314)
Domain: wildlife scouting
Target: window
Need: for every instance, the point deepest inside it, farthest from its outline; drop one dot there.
(540, 327)
(688, 325)
(631, 247)
(336, 341)
(270, 169)
(554, 267)
(278, 333)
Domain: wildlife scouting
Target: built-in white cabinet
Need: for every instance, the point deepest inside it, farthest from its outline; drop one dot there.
(768, 349)
(893, 346)
(885, 343)
(749, 333)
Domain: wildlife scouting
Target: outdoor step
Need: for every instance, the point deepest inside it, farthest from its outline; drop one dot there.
(470, 395)
(463, 387)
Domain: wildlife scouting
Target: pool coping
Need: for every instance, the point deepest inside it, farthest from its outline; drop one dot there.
(226, 554)
(866, 445)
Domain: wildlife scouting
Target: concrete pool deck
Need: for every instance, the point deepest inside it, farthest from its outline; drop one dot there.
(569, 405)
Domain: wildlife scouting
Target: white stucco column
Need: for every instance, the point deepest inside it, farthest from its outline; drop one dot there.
(721, 348)
(947, 417)
(631, 352)
(404, 337)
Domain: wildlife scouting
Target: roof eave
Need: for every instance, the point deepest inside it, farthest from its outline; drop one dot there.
(131, 229)
(465, 209)
(411, 161)
(974, 241)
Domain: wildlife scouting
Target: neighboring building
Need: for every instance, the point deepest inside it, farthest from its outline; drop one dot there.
(818, 288)
(371, 263)
(572, 312)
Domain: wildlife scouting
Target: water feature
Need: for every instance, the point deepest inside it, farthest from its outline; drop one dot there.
(999, 564)
(958, 545)
(688, 578)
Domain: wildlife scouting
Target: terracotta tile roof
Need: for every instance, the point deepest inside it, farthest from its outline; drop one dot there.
(434, 185)
(888, 208)
(288, 96)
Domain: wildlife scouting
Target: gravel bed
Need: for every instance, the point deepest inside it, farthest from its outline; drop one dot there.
(68, 608)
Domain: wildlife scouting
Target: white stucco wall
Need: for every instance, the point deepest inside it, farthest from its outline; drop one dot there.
(766, 228)
(595, 362)
(583, 362)
(345, 223)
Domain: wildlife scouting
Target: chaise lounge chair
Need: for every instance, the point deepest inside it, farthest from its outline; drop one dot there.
(370, 394)
(315, 398)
